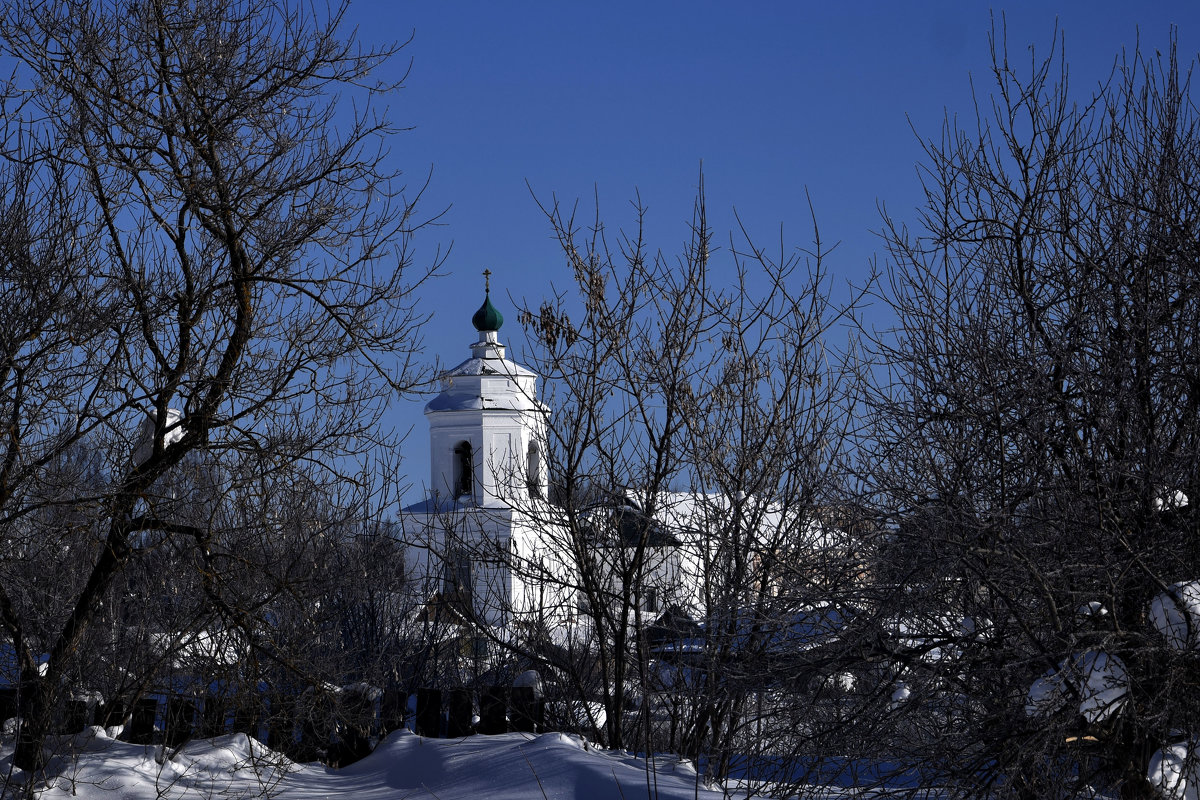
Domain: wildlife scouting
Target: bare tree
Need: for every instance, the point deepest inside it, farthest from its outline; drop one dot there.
(195, 232)
(697, 453)
(1039, 423)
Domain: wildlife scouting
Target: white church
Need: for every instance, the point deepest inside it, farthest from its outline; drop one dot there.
(480, 537)
(487, 541)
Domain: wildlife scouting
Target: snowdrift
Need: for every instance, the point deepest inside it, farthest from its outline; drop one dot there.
(508, 767)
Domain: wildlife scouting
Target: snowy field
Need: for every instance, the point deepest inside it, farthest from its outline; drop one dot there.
(515, 765)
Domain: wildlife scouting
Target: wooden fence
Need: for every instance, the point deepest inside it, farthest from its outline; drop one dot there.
(337, 733)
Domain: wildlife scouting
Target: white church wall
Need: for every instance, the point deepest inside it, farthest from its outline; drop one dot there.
(547, 569)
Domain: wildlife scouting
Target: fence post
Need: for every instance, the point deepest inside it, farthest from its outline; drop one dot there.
(493, 710)
(526, 710)
(429, 712)
(392, 708)
(75, 718)
(110, 714)
(141, 723)
(358, 717)
(180, 719)
(461, 708)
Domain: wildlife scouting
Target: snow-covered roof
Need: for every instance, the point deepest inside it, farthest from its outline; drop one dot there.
(486, 380)
(699, 513)
(439, 504)
(488, 366)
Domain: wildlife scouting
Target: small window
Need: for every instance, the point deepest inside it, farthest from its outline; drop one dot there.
(459, 574)
(464, 470)
(650, 599)
(464, 574)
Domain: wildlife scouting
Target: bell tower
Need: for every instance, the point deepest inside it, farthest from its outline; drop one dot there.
(487, 428)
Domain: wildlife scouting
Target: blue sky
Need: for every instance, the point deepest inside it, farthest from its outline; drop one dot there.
(572, 99)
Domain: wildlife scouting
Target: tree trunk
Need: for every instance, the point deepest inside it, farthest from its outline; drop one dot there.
(37, 702)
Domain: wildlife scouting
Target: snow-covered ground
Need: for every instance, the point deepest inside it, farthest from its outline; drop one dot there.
(515, 765)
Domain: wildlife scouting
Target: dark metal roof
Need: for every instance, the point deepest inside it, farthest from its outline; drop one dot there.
(631, 525)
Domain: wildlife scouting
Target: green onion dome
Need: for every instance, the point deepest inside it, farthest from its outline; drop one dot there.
(487, 318)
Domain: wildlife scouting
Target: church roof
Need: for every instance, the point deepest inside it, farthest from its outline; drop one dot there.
(488, 366)
(467, 387)
(629, 526)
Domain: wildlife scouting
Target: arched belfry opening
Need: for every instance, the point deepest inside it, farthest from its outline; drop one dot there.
(464, 469)
(533, 470)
